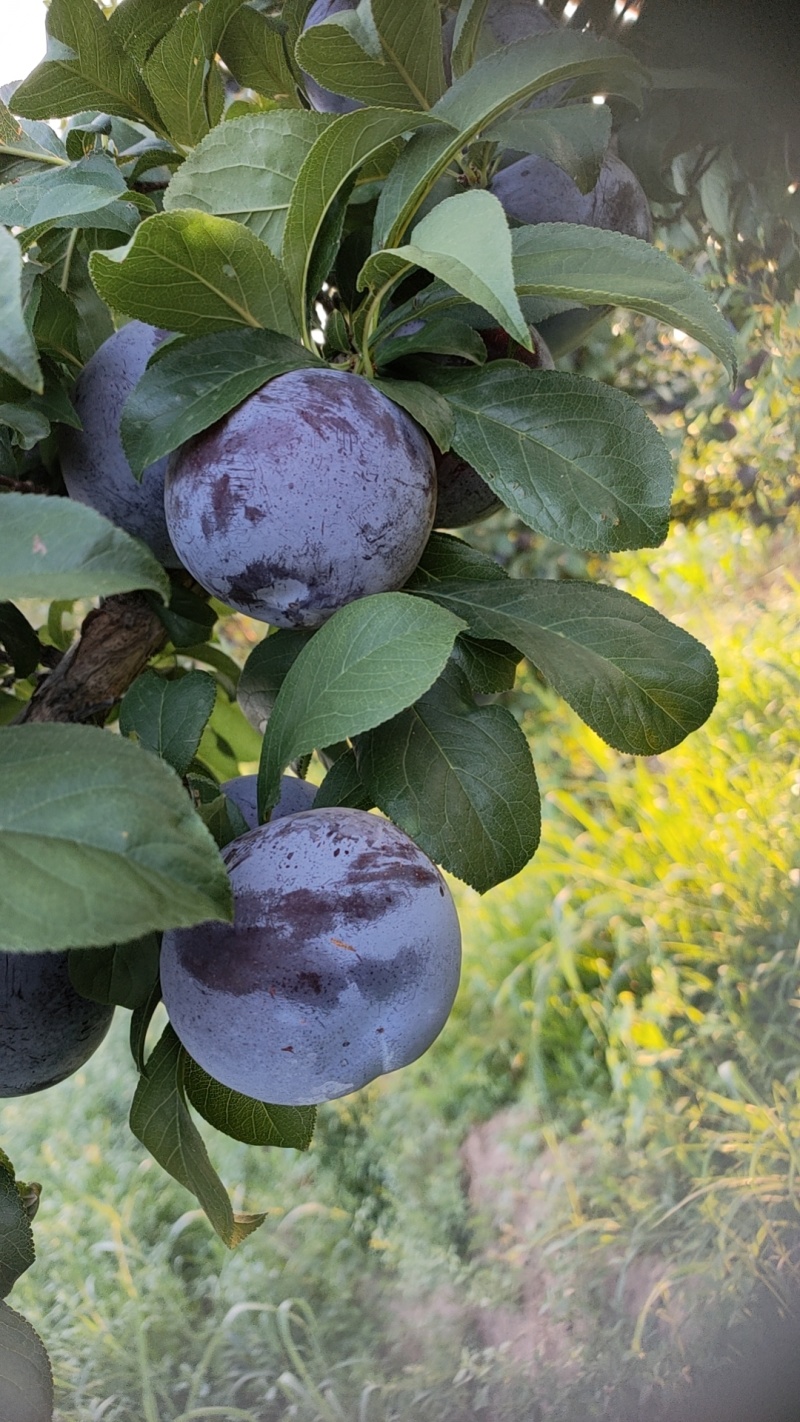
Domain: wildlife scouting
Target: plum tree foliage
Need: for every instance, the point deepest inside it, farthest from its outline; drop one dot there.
(352, 293)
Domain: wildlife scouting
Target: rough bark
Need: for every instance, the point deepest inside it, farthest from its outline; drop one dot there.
(116, 642)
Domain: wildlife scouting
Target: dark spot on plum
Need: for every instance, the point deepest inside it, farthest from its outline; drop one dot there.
(345, 1044)
(380, 1030)
(223, 501)
(313, 980)
(287, 1049)
(253, 514)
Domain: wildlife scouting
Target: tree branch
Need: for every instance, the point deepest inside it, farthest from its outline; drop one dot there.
(117, 641)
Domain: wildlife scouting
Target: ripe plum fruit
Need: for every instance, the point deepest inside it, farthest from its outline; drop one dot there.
(296, 795)
(315, 491)
(342, 962)
(463, 496)
(321, 99)
(535, 190)
(47, 1030)
(93, 462)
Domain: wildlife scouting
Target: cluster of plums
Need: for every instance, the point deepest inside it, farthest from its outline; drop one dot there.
(343, 959)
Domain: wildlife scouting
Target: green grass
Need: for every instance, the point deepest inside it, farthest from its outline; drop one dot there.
(634, 990)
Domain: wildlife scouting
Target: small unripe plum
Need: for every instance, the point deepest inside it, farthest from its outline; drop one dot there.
(315, 491)
(47, 1030)
(321, 99)
(93, 462)
(463, 496)
(535, 190)
(296, 795)
(342, 962)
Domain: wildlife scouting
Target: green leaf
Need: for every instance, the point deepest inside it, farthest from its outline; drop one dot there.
(371, 659)
(491, 88)
(189, 388)
(576, 138)
(26, 1378)
(160, 1119)
(215, 17)
(345, 55)
(220, 817)
(17, 347)
(598, 268)
(30, 415)
(23, 142)
(490, 667)
(411, 40)
(638, 680)
(424, 405)
(465, 35)
(16, 1237)
(138, 25)
(188, 616)
(85, 67)
(63, 194)
(19, 644)
(244, 1119)
(447, 557)
(141, 1017)
(459, 779)
(339, 152)
(434, 337)
(253, 50)
(343, 786)
(195, 273)
(122, 975)
(28, 424)
(56, 548)
(387, 55)
(466, 242)
(425, 158)
(575, 459)
(56, 325)
(168, 717)
(98, 841)
(228, 740)
(264, 672)
(177, 74)
(246, 170)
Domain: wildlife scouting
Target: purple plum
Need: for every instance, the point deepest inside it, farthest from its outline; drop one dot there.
(322, 99)
(94, 464)
(47, 1030)
(296, 795)
(535, 190)
(510, 20)
(342, 962)
(463, 496)
(315, 491)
